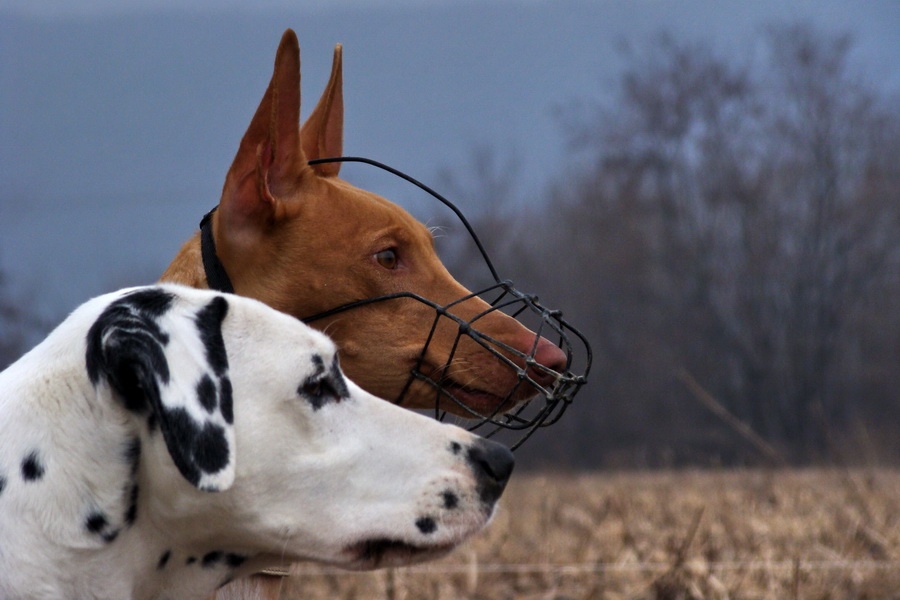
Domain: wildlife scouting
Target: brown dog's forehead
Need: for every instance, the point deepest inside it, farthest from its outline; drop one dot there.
(327, 246)
(373, 215)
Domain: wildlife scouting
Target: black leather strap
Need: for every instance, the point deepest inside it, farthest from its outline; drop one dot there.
(216, 276)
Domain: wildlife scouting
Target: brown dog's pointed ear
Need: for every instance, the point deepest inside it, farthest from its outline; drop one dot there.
(322, 135)
(269, 161)
(284, 124)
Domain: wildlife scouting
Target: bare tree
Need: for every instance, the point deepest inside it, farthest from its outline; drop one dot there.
(739, 219)
(773, 197)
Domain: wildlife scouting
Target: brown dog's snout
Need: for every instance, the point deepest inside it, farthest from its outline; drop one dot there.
(547, 359)
(492, 464)
(552, 358)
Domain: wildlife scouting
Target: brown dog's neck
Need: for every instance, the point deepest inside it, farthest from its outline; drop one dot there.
(187, 268)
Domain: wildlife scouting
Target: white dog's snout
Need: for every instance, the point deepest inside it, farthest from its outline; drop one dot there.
(461, 475)
(492, 465)
(468, 499)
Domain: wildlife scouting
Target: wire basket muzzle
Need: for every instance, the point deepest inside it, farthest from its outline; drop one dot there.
(540, 394)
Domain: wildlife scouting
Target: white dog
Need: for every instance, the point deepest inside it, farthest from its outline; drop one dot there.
(163, 441)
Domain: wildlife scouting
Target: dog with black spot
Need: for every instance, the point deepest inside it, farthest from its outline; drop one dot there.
(163, 441)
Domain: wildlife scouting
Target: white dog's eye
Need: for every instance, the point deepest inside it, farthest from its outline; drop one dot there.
(319, 388)
(324, 385)
(321, 391)
(316, 389)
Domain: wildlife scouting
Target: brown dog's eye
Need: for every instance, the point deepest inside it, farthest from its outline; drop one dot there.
(387, 259)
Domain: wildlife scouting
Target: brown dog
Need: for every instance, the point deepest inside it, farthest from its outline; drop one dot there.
(302, 240)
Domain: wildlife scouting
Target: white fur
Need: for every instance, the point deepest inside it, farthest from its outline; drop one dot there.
(301, 483)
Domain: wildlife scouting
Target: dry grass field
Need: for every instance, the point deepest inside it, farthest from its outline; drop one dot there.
(666, 535)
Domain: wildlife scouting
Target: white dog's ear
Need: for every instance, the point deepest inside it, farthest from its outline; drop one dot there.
(168, 362)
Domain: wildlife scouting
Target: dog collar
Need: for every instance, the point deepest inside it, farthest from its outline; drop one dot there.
(216, 275)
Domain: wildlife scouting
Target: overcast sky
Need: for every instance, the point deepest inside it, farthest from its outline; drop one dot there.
(93, 8)
(118, 118)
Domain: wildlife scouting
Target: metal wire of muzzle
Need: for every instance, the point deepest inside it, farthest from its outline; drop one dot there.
(547, 402)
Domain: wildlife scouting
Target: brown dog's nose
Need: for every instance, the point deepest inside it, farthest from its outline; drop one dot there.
(492, 464)
(549, 355)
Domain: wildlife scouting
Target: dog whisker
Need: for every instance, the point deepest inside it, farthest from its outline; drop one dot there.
(327, 329)
(283, 554)
(436, 231)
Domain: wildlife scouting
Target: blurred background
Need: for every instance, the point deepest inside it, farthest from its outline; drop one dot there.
(709, 190)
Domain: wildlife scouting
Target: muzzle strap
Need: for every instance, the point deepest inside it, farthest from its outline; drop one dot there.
(216, 276)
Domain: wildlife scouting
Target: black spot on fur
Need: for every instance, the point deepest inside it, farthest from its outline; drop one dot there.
(133, 459)
(127, 348)
(133, 455)
(337, 380)
(206, 393)
(312, 389)
(212, 451)
(235, 560)
(163, 560)
(98, 524)
(195, 448)
(154, 302)
(451, 500)
(126, 345)
(190, 560)
(2, 483)
(318, 366)
(323, 387)
(211, 559)
(426, 525)
(209, 324)
(226, 402)
(455, 447)
(131, 513)
(32, 467)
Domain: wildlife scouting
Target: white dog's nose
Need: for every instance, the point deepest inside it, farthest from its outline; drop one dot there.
(492, 464)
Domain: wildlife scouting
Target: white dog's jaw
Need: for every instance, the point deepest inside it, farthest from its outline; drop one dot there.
(207, 435)
(448, 510)
(388, 486)
(454, 504)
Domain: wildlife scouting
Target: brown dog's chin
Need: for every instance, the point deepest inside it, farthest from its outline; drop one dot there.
(483, 403)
